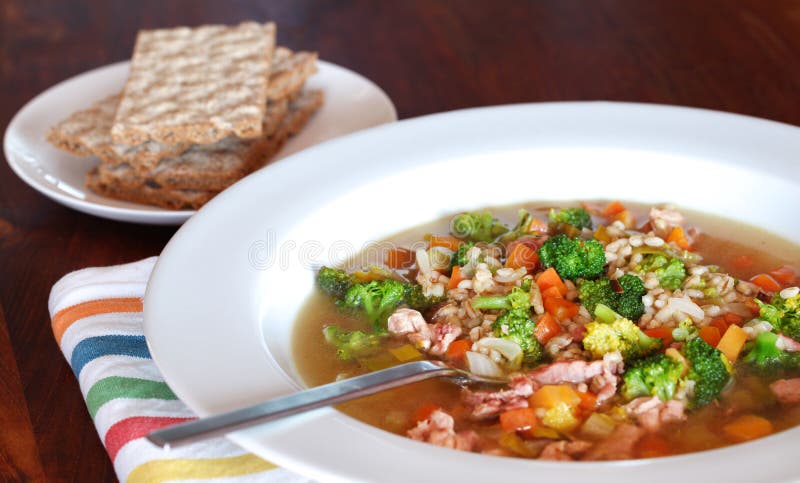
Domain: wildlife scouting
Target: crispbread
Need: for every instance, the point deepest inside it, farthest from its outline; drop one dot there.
(196, 85)
(165, 198)
(217, 166)
(290, 71)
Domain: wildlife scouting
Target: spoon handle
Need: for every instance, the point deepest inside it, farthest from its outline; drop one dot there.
(302, 401)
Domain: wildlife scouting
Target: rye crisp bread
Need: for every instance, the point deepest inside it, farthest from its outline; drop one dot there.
(196, 85)
(169, 199)
(212, 167)
(87, 132)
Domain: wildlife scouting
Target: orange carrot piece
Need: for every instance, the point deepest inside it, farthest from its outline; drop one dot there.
(549, 395)
(424, 412)
(561, 309)
(612, 209)
(455, 277)
(588, 402)
(652, 445)
(552, 292)
(732, 342)
(752, 305)
(742, 261)
(678, 237)
(720, 323)
(785, 275)
(445, 241)
(518, 420)
(711, 335)
(538, 226)
(522, 256)
(458, 349)
(661, 333)
(626, 218)
(399, 258)
(766, 283)
(734, 319)
(546, 328)
(747, 427)
(550, 278)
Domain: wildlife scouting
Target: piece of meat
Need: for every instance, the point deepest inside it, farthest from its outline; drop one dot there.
(663, 221)
(618, 445)
(411, 324)
(604, 386)
(652, 413)
(488, 404)
(533, 242)
(787, 391)
(787, 344)
(565, 450)
(577, 371)
(438, 430)
(442, 335)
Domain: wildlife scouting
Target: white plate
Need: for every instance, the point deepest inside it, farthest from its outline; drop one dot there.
(352, 103)
(223, 297)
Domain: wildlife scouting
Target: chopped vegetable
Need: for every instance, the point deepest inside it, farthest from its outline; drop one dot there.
(399, 258)
(686, 330)
(405, 353)
(711, 335)
(765, 358)
(458, 349)
(561, 309)
(626, 301)
(377, 300)
(612, 209)
(786, 276)
(670, 271)
(561, 417)
(518, 420)
(598, 426)
(460, 256)
(550, 395)
(731, 343)
(334, 282)
(783, 314)
(522, 256)
(351, 344)
(656, 375)
(477, 227)
(456, 277)
(546, 328)
(449, 242)
(678, 237)
(515, 324)
(747, 427)
(577, 217)
(573, 258)
(661, 333)
(611, 333)
(766, 283)
(708, 369)
(549, 278)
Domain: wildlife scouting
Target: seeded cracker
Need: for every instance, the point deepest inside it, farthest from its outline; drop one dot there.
(196, 85)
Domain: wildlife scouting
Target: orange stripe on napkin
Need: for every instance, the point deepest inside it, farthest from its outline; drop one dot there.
(186, 469)
(66, 317)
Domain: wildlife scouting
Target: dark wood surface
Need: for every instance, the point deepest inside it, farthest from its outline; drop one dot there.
(429, 56)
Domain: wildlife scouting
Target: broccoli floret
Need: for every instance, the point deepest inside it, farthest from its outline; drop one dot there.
(577, 217)
(351, 344)
(783, 314)
(656, 375)
(515, 323)
(708, 370)
(334, 282)
(686, 330)
(573, 258)
(670, 271)
(626, 300)
(415, 299)
(611, 332)
(477, 227)
(377, 299)
(460, 255)
(765, 358)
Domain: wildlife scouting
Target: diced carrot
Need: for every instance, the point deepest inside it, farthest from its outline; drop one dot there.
(752, 305)
(742, 261)
(455, 277)
(711, 335)
(518, 420)
(612, 209)
(399, 258)
(747, 427)
(732, 342)
(588, 402)
(538, 226)
(458, 349)
(785, 275)
(652, 445)
(766, 283)
(424, 412)
(561, 309)
(678, 237)
(661, 333)
(523, 256)
(734, 319)
(546, 328)
(445, 241)
(552, 292)
(626, 218)
(549, 278)
(720, 323)
(549, 395)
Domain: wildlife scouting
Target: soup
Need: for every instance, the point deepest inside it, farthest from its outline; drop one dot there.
(623, 331)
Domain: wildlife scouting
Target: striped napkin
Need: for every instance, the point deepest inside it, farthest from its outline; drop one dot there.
(97, 321)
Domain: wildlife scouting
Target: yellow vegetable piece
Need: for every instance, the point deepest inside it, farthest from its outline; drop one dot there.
(542, 432)
(406, 353)
(732, 342)
(561, 418)
(381, 361)
(747, 427)
(549, 396)
(515, 444)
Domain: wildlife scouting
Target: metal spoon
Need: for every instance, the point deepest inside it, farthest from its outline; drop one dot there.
(309, 399)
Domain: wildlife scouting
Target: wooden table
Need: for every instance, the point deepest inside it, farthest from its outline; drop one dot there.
(430, 56)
